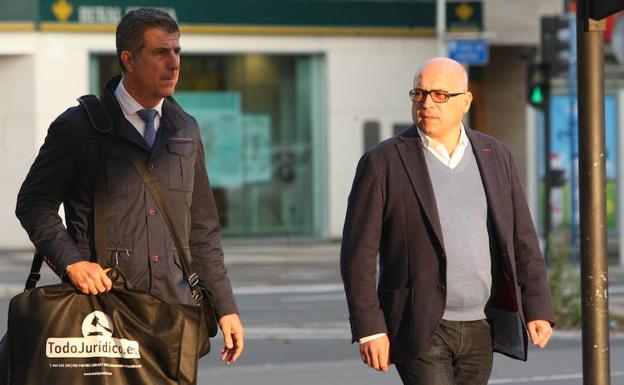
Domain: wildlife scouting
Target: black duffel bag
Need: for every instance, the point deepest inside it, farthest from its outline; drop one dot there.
(57, 335)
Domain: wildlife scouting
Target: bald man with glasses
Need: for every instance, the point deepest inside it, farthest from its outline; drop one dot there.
(461, 274)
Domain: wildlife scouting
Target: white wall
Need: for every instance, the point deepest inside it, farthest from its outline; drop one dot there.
(17, 135)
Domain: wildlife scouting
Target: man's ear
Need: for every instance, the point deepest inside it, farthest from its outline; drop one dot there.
(467, 101)
(127, 60)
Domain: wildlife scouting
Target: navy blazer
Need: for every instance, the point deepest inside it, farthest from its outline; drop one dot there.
(392, 212)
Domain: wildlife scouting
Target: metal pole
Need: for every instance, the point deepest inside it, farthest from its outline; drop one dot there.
(592, 178)
(441, 26)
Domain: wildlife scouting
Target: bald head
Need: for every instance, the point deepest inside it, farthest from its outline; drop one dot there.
(441, 119)
(449, 68)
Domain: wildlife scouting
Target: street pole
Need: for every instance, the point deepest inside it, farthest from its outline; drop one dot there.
(594, 267)
(441, 26)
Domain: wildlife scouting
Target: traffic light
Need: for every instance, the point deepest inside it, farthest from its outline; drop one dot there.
(555, 43)
(537, 85)
(599, 9)
(537, 94)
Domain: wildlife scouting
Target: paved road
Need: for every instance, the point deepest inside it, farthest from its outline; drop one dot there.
(295, 314)
(299, 337)
(294, 311)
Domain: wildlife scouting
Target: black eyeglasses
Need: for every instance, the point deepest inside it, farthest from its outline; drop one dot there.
(418, 95)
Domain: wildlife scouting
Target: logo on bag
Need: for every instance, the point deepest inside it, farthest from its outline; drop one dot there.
(97, 324)
(97, 341)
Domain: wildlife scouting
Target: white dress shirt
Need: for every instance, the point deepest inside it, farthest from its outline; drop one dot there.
(129, 107)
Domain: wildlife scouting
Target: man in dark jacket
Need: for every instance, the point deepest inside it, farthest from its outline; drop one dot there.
(168, 140)
(461, 274)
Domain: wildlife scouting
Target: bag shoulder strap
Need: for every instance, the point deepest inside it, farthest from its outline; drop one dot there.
(35, 268)
(102, 123)
(99, 118)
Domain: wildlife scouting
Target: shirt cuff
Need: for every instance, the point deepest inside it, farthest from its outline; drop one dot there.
(370, 338)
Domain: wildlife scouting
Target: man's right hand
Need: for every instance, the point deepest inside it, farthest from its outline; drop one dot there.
(88, 277)
(376, 353)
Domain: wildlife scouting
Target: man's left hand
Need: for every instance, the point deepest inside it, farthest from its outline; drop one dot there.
(540, 332)
(233, 336)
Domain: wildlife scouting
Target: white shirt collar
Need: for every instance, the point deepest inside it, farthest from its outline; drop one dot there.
(440, 152)
(129, 105)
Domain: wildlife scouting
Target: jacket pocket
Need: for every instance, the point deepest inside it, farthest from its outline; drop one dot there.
(180, 162)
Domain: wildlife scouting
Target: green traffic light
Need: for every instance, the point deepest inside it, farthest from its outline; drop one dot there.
(537, 97)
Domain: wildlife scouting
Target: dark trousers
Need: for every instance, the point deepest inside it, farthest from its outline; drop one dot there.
(460, 353)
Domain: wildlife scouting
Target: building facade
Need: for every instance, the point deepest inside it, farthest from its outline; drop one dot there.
(288, 94)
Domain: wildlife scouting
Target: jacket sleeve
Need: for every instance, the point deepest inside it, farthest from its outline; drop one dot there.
(359, 249)
(41, 195)
(205, 241)
(530, 265)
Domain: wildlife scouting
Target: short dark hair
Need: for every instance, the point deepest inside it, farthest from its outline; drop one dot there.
(132, 26)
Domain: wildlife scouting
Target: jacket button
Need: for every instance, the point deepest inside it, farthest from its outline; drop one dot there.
(442, 287)
(152, 212)
(155, 258)
(151, 166)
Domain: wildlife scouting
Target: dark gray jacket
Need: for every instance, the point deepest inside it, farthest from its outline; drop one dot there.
(138, 238)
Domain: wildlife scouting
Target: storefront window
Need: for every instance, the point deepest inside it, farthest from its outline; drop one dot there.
(262, 124)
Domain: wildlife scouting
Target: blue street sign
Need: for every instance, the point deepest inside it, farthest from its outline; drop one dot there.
(469, 51)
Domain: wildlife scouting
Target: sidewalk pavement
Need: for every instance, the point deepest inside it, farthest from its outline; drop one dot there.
(261, 264)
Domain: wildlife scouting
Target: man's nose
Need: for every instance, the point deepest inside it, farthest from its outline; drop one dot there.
(173, 61)
(428, 101)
